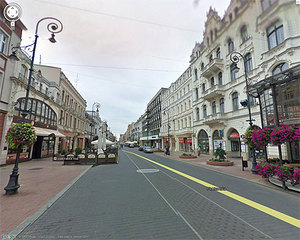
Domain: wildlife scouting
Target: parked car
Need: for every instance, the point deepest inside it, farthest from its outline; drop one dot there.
(131, 145)
(141, 148)
(148, 150)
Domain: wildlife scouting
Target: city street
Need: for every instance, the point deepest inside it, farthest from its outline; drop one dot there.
(147, 196)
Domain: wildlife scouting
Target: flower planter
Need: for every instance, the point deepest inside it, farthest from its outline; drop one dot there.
(187, 157)
(219, 163)
(288, 184)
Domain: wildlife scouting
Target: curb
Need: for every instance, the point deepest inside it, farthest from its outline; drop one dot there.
(31, 219)
(272, 186)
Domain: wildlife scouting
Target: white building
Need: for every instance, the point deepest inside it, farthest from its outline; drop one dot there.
(177, 113)
(267, 34)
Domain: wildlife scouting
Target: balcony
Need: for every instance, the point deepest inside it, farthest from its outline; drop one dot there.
(213, 67)
(217, 118)
(214, 92)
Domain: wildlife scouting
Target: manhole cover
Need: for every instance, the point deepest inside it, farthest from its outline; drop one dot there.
(147, 170)
(35, 168)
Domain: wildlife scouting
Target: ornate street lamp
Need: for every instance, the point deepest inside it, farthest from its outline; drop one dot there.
(55, 26)
(234, 57)
(167, 111)
(97, 105)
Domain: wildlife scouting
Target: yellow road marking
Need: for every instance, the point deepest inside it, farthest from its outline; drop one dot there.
(281, 216)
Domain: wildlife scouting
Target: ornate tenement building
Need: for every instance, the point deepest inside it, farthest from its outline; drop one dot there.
(267, 34)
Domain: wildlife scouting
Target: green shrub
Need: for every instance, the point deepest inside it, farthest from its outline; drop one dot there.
(186, 154)
(78, 150)
(220, 154)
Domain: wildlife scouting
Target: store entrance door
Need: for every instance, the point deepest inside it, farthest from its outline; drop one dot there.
(37, 148)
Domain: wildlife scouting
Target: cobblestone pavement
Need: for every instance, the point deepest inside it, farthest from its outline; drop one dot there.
(119, 202)
(40, 180)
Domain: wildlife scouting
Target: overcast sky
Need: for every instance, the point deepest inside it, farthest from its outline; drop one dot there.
(123, 51)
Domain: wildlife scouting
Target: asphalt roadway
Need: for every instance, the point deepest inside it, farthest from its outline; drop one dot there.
(146, 196)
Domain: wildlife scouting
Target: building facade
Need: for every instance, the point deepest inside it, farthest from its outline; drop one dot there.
(269, 46)
(177, 114)
(9, 38)
(152, 123)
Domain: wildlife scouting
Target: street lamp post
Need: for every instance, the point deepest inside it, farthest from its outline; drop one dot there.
(97, 107)
(234, 57)
(53, 28)
(168, 152)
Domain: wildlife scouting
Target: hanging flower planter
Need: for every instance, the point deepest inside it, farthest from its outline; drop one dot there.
(261, 137)
(280, 135)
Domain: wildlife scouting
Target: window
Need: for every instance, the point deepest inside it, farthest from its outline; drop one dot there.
(232, 72)
(244, 33)
(3, 42)
(248, 62)
(211, 36)
(211, 58)
(230, 45)
(222, 105)
(218, 53)
(202, 66)
(266, 4)
(197, 93)
(204, 111)
(203, 87)
(230, 17)
(214, 107)
(220, 78)
(275, 34)
(212, 82)
(280, 67)
(196, 74)
(197, 114)
(235, 101)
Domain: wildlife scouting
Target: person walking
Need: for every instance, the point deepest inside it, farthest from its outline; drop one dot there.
(199, 151)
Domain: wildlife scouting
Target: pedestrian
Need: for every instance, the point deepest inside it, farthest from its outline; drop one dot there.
(198, 149)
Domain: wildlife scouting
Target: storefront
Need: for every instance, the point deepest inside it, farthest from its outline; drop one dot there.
(185, 144)
(218, 140)
(279, 101)
(235, 143)
(44, 119)
(203, 142)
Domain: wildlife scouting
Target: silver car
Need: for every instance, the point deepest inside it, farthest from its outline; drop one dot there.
(148, 150)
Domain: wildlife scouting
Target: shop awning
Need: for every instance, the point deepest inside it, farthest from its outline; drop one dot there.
(46, 132)
(41, 132)
(56, 133)
(234, 135)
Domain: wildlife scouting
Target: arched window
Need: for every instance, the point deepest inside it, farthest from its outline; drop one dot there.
(230, 45)
(197, 114)
(214, 107)
(244, 33)
(218, 53)
(212, 82)
(196, 74)
(235, 101)
(275, 34)
(222, 109)
(280, 67)
(211, 36)
(202, 66)
(232, 72)
(248, 62)
(211, 58)
(220, 78)
(204, 111)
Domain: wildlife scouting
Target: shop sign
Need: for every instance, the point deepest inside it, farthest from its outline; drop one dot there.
(243, 146)
(189, 140)
(181, 140)
(219, 143)
(234, 135)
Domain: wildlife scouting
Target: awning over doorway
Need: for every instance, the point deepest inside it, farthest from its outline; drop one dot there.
(234, 135)
(46, 132)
